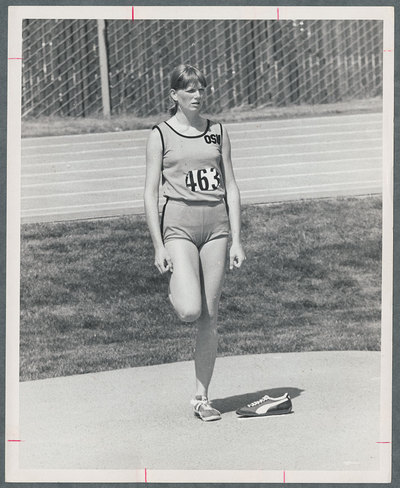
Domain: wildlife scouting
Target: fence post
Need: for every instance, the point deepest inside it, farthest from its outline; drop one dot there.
(103, 58)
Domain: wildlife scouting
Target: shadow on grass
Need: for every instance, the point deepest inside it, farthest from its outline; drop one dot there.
(232, 403)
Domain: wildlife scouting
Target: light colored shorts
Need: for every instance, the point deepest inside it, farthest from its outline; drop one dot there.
(198, 222)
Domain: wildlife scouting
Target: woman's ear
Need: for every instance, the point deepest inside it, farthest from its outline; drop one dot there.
(173, 95)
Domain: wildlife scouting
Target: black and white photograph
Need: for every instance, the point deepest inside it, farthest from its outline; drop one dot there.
(199, 244)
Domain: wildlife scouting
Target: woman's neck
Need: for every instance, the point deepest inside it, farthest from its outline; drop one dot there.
(186, 120)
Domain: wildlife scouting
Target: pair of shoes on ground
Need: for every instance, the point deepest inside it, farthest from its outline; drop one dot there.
(261, 408)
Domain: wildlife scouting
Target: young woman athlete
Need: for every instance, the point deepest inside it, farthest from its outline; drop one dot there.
(193, 157)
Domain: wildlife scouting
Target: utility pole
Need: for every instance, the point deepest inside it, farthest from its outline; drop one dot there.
(105, 86)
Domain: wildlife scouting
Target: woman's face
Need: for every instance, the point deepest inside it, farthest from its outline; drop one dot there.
(189, 98)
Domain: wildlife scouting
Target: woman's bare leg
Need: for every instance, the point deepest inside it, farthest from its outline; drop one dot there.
(195, 290)
(184, 285)
(212, 272)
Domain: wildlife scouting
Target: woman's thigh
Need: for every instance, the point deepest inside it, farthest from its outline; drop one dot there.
(212, 269)
(185, 289)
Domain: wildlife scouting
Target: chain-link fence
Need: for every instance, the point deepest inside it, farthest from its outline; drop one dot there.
(60, 71)
(246, 63)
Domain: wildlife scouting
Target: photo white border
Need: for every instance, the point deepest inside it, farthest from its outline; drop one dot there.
(16, 15)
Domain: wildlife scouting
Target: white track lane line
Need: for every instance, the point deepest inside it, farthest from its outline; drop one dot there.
(114, 140)
(299, 120)
(89, 151)
(330, 185)
(235, 140)
(91, 192)
(307, 153)
(123, 204)
(295, 175)
(235, 158)
(322, 136)
(292, 121)
(373, 187)
(92, 180)
(79, 161)
(87, 143)
(304, 163)
(267, 131)
(141, 176)
(116, 190)
(271, 146)
(88, 134)
(56, 173)
(86, 205)
(236, 168)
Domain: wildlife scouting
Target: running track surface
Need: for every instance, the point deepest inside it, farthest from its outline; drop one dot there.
(99, 175)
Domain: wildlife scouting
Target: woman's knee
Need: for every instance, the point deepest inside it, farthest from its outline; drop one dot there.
(188, 312)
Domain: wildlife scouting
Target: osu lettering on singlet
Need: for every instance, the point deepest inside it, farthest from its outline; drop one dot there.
(212, 138)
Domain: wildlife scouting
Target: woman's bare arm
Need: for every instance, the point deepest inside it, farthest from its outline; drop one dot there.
(151, 193)
(237, 255)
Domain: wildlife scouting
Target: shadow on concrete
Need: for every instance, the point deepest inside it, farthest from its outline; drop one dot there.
(232, 403)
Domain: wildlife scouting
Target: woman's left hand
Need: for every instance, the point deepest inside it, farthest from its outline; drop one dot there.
(236, 256)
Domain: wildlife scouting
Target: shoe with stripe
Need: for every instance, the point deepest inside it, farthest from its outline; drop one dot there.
(203, 409)
(267, 406)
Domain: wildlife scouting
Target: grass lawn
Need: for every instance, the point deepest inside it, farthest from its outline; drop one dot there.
(57, 126)
(92, 300)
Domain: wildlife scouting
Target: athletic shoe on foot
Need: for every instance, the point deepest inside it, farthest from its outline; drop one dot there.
(203, 409)
(267, 406)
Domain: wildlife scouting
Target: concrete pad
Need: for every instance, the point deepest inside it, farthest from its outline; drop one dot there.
(141, 417)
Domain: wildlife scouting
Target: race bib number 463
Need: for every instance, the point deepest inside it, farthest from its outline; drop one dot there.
(205, 179)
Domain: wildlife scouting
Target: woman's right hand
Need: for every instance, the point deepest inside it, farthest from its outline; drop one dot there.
(163, 261)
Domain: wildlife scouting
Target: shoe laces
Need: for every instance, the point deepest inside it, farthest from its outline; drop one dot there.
(257, 402)
(203, 403)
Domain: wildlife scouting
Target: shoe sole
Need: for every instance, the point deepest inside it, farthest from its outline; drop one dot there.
(266, 414)
(207, 419)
